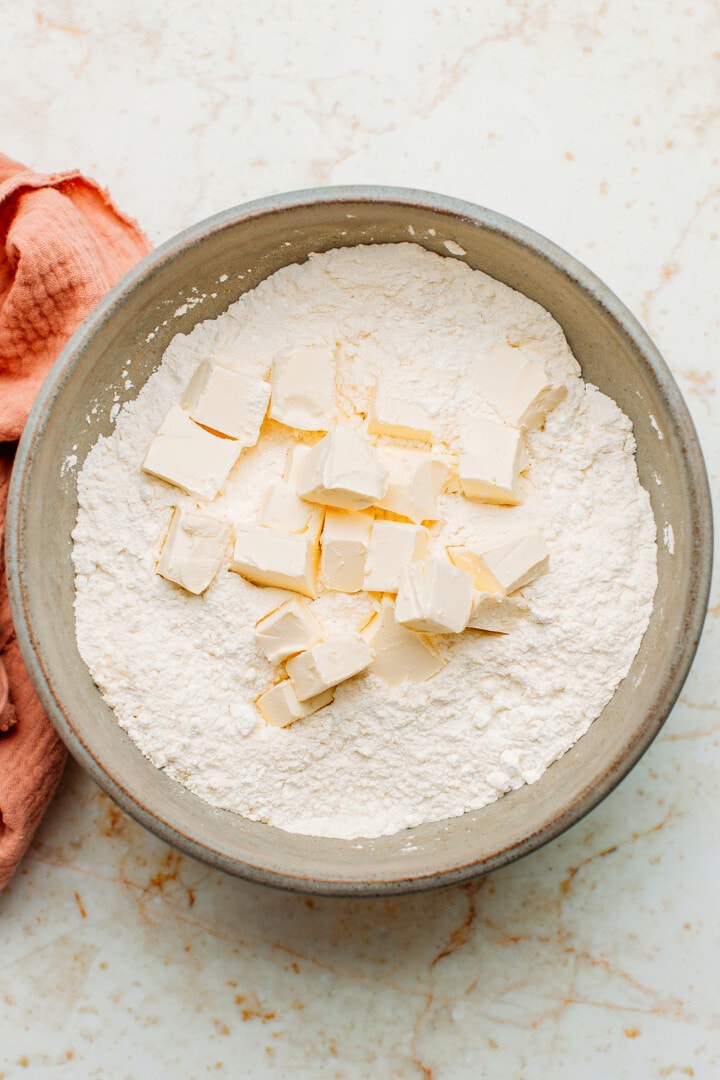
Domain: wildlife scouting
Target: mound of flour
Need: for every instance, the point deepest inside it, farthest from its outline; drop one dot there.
(182, 672)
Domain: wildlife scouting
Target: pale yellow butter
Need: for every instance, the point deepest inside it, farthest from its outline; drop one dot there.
(519, 561)
(278, 559)
(344, 548)
(295, 457)
(343, 471)
(227, 401)
(391, 413)
(327, 664)
(492, 456)
(496, 613)
(415, 480)
(393, 545)
(186, 455)
(473, 563)
(517, 386)
(283, 509)
(506, 567)
(193, 551)
(401, 655)
(303, 389)
(280, 705)
(434, 597)
(289, 629)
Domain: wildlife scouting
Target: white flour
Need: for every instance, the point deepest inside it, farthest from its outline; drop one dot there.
(182, 672)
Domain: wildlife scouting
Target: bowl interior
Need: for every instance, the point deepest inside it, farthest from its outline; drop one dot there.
(196, 277)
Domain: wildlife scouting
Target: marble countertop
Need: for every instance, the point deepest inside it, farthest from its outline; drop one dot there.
(598, 124)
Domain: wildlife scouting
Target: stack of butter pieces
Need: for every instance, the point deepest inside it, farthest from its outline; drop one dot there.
(320, 520)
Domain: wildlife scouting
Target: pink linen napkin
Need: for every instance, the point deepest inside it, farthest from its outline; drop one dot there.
(63, 244)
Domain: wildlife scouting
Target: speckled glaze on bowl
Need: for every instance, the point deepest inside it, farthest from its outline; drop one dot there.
(213, 263)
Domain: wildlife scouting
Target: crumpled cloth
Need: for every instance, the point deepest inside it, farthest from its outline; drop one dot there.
(62, 246)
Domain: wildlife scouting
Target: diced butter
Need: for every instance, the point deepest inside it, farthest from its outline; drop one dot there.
(434, 597)
(472, 563)
(343, 471)
(415, 480)
(393, 546)
(277, 559)
(391, 413)
(344, 547)
(401, 655)
(227, 401)
(303, 389)
(283, 509)
(517, 386)
(280, 706)
(327, 664)
(519, 561)
(194, 550)
(507, 567)
(497, 613)
(186, 455)
(295, 458)
(492, 456)
(287, 630)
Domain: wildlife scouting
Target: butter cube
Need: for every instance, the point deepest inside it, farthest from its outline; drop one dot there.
(473, 563)
(280, 706)
(281, 560)
(517, 386)
(327, 664)
(400, 654)
(415, 480)
(519, 561)
(492, 456)
(186, 455)
(391, 413)
(193, 551)
(303, 389)
(507, 567)
(344, 544)
(497, 613)
(283, 509)
(227, 401)
(434, 597)
(287, 630)
(295, 458)
(393, 546)
(343, 471)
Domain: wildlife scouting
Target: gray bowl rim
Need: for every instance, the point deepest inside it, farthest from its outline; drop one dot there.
(701, 528)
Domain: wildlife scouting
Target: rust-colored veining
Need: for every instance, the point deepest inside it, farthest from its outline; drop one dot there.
(566, 884)
(114, 821)
(43, 20)
(461, 933)
(700, 383)
(251, 1008)
(574, 870)
(504, 938)
(169, 870)
(672, 267)
(425, 1070)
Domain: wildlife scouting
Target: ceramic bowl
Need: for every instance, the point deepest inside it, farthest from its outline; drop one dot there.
(139, 317)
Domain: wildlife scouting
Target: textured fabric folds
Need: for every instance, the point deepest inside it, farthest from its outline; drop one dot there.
(62, 246)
